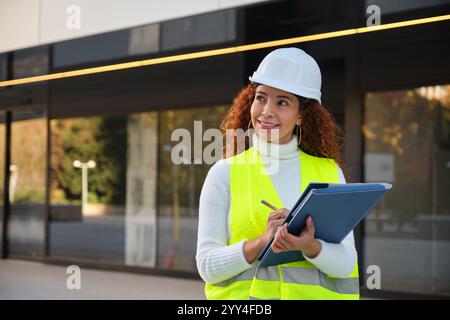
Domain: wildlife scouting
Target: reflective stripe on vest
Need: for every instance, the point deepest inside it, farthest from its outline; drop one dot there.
(249, 183)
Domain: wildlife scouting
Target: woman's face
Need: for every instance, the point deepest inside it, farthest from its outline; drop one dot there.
(274, 109)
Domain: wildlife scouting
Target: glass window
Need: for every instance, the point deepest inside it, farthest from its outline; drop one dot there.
(389, 7)
(179, 186)
(204, 29)
(2, 171)
(2, 155)
(134, 206)
(96, 48)
(141, 193)
(88, 187)
(27, 183)
(30, 62)
(407, 143)
(3, 67)
(144, 40)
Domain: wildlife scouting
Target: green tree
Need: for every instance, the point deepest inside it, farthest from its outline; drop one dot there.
(102, 139)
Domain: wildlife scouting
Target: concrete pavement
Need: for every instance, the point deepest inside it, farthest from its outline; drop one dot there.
(34, 280)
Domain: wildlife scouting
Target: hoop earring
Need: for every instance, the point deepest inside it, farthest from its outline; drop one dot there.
(299, 135)
(249, 123)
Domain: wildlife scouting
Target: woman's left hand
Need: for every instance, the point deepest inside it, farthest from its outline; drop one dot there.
(305, 242)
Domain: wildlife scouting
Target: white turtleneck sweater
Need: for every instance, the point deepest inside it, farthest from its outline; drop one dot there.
(218, 261)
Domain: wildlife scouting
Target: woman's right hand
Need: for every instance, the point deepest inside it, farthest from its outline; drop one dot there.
(252, 248)
(274, 221)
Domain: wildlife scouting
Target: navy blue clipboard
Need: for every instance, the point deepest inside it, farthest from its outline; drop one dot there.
(335, 208)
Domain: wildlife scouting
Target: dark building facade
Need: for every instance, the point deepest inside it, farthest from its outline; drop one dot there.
(389, 90)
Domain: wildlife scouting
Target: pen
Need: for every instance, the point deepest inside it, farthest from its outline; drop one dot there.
(264, 202)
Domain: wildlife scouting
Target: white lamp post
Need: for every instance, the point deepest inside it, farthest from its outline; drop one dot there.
(84, 181)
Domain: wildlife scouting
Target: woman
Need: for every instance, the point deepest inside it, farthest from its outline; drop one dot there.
(282, 104)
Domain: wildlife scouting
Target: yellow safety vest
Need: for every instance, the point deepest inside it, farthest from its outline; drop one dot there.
(249, 183)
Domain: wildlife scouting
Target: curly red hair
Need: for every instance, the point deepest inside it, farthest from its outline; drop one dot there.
(321, 136)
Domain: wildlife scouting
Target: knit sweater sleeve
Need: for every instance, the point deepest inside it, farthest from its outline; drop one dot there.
(216, 260)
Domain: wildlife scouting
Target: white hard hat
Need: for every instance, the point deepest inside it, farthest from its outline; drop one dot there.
(291, 70)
